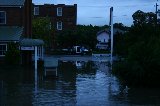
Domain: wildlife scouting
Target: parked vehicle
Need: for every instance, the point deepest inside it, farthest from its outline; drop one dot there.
(80, 50)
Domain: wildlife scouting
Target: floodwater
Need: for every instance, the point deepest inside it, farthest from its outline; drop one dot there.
(81, 83)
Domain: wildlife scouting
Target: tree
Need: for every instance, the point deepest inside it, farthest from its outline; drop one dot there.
(119, 26)
(83, 36)
(12, 56)
(42, 29)
(141, 63)
(141, 18)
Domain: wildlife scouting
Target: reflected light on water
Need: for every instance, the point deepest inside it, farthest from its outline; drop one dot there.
(88, 84)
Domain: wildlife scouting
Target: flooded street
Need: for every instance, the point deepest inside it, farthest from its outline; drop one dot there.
(81, 83)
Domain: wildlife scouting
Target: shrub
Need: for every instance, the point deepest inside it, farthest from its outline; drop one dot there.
(12, 55)
(141, 66)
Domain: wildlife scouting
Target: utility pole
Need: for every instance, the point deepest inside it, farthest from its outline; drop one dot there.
(157, 14)
(111, 24)
(157, 17)
(156, 9)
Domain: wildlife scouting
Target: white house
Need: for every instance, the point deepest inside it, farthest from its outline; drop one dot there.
(103, 39)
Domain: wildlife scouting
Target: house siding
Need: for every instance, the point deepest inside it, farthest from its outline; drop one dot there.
(103, 37)
(14, 16)
(19, 16)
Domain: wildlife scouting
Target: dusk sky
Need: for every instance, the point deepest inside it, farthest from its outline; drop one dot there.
(96, 12)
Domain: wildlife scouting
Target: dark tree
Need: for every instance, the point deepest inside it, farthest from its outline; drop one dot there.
(141, 18)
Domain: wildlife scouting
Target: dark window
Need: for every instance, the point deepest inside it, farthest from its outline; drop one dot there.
(2, 17)
(59, 11)
(3, 49)
(59, 25)
(36, 10)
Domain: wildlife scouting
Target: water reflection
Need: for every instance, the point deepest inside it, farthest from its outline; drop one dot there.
(79, 83)
(14, 88)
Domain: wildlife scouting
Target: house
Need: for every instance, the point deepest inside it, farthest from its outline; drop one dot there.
(12, 22)
(103, 38)
(16, 25)
(16, 13)
(62, 16)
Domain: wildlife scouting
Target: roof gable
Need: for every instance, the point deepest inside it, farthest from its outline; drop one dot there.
(115, 30)
(102, 31)
(12, 2)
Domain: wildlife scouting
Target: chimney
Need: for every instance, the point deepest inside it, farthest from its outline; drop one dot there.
(28, 19)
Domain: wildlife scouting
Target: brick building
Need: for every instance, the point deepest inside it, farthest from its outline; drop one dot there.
(15, 22)
(16, 13)
(62, 16)
(16, 27)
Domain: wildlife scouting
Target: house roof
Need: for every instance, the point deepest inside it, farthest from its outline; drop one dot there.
(8, 33)
(102, 32)
(31, 42)
(115, 30)
(12, 2)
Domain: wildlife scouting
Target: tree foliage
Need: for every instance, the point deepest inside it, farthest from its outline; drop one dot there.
(12, 56)
(141, 18)
(141, 65)
(83, 36)
(42, 29)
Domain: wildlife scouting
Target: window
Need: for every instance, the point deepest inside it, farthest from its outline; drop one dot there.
(59, 25)
(36, 10)
(50, 25)
(59, 11)
(3, 49)
(2, 17)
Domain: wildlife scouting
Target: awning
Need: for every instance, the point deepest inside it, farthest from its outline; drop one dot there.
(31, 42)
(8, 33)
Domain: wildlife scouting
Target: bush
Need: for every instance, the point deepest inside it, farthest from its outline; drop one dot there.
(141, 66)
(12, 55)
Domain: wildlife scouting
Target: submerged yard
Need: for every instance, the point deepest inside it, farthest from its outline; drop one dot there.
(82, 83)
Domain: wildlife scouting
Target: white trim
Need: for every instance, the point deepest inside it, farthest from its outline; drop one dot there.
(36, 58)
(42, 52)
(6, 48)
(59, 11)
(5, 17)
(36, 10)
(59, 25)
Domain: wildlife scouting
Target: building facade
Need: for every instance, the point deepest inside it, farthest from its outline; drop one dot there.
(17, 13)
(62, 16)
(16, 28)
(103, 38)
(15, 21)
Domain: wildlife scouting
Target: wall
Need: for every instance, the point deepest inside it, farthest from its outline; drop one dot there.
(14, 16)
(68, 18)
(103, 36)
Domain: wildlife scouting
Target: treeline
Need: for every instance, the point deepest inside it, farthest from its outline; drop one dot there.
(83, 35)
(139, 52)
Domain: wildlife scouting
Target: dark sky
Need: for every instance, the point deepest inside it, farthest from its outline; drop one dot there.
(96, 12)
